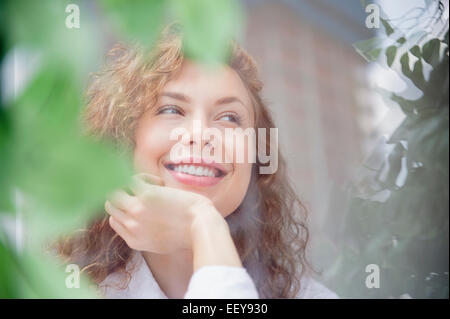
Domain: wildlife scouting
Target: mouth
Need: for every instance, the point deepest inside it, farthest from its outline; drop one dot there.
(196, 174)
(196, 170)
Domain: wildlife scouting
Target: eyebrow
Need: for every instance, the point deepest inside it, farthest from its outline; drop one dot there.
(184, 98)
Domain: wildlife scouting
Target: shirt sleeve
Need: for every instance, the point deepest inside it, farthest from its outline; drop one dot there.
(221, 282)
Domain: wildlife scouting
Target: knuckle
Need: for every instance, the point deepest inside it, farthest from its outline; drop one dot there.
(136, 209)
(131, 225)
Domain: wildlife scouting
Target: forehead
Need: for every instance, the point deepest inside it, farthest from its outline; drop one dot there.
(201, 83)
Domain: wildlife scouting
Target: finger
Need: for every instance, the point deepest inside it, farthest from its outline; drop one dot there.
(115, 212)
(119, 228)
(120, 199)
(153, 194)
(143, 183)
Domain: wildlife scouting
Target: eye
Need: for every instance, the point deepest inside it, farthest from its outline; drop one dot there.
(170, 109)
(231, 117)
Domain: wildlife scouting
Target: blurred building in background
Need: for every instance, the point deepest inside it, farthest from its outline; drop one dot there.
(314, 81)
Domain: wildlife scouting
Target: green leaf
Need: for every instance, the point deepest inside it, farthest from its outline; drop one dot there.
(139, 20)
(6, 160)
(416, 75)
(389, 30)
(401, 40)
(10, 284)
(430, 52)
(208, 27)
(390, 54)
(404, 61)
(415, 50)
(407, 106)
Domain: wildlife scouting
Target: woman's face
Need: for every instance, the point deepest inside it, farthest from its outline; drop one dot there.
(198, 97)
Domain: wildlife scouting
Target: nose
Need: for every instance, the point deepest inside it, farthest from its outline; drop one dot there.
(195, 129)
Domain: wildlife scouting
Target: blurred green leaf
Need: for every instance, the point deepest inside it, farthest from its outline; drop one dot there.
(208, 27)
(31, 275)
(37, 268)
(6, 146)
(40, 27)
(139, 20)
(65, 176)
(10, 286)
(34, 22)
(369, 49)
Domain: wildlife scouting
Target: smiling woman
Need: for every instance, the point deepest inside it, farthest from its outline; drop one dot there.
(191, 228)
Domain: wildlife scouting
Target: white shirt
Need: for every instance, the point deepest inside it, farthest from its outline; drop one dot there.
(229, 283)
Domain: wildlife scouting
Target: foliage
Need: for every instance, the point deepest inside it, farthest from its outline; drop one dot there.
(397, 214)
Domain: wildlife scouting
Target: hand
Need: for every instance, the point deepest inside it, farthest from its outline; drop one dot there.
(157, 219)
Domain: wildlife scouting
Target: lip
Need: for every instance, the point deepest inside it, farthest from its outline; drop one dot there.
(197, 180)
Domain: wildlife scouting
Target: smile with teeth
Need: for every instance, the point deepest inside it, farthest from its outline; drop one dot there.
(196, 170)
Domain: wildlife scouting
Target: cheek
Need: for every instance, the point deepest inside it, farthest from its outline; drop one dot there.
(243, 154)
(152, 142)
(237, 189)
(240, 149)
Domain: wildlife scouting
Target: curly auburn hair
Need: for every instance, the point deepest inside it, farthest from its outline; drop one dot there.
(268, 228)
